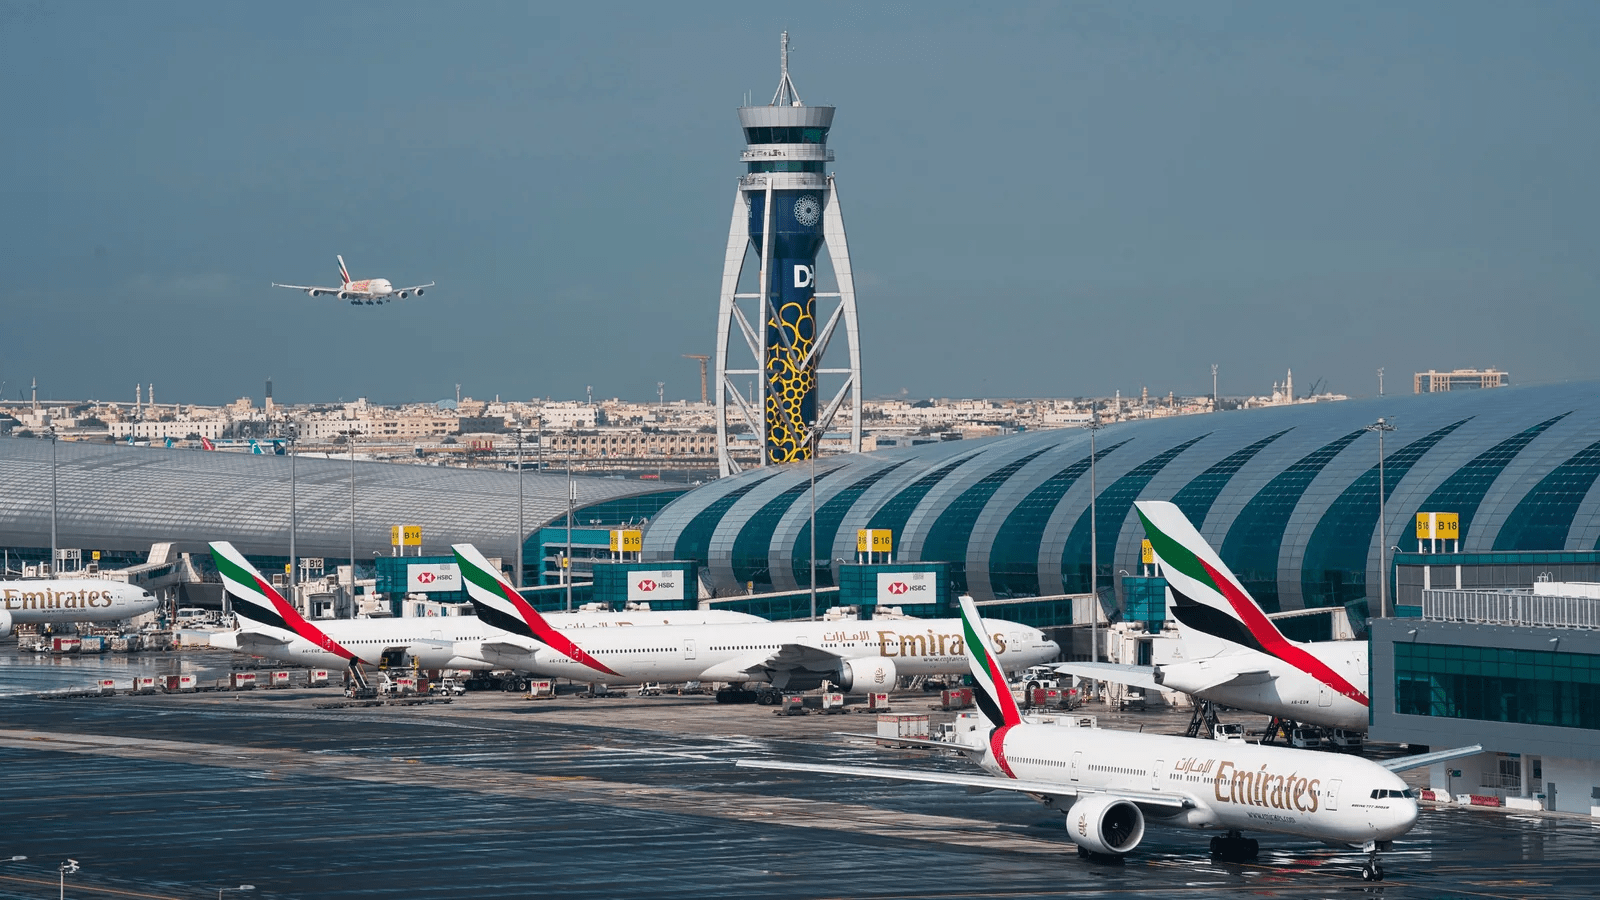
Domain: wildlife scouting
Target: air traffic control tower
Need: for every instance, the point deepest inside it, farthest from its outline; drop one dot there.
(785, 211)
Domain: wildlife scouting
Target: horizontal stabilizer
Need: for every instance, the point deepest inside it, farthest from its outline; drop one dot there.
(1407, 763)
(1237, 679)
(922, 743)
(1133, 676)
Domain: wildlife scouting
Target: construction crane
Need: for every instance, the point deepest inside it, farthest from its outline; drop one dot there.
(702, 359)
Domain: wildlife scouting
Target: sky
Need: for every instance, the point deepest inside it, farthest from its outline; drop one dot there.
(1042, 199)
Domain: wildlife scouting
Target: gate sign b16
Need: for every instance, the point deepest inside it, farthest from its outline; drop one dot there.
(428, 578)
(661, 584)
(895, 588)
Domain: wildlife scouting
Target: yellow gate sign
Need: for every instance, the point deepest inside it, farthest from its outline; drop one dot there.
(874, 540)
(627, 540)
(1147, 553)
(1438, 526)
(405, 535)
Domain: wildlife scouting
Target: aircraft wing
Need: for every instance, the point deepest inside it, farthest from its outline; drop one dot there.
(308, 287)
(787, 658)
(414, 287)
(1133, 676)
(980, 782)
(1407, 763)
(921, 743)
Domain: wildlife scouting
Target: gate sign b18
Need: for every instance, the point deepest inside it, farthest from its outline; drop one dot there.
(895, 588)
(428, 578)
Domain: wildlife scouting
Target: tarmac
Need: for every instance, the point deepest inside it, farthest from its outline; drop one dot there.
(495, 795)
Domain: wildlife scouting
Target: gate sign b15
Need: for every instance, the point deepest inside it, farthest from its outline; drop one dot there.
(428, 578)
(895, 588)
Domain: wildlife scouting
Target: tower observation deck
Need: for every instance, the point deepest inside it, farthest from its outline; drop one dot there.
(785, 210)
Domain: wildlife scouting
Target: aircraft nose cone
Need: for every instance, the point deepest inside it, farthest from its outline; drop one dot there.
(1405, 816)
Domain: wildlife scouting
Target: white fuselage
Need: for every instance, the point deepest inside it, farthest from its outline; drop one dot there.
(1290, 692)
(63, 600)
(729, 652)
(1232, 785)
(432, 640)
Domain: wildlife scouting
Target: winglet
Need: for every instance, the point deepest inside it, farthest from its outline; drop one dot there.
(259, 602)
(498, 603)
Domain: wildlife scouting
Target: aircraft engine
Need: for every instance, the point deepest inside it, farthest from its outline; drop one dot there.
(314, 293)
(1107, 825)
(419, 292)
(867, 675)
(402, 295)
(343, 296)
(5, 623)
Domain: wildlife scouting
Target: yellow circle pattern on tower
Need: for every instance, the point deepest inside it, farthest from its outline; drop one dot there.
(788, 384)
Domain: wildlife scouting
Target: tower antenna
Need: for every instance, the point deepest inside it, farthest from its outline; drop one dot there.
(786, 94)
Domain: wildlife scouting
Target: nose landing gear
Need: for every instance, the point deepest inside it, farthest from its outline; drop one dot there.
(1372, 869)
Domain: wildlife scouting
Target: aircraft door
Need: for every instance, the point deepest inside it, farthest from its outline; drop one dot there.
(1155, 774)
(1324, 696)
(1077, 764)
(1333, 794)
(688, 649)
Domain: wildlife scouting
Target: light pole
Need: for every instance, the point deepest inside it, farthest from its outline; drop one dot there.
(1380, 427)
(53, 550)
(350, 438)
(70, 867)
(242, 887)
(813, 557)
(520, 535)
(291, 432)
(1094, 545)
(572, 494)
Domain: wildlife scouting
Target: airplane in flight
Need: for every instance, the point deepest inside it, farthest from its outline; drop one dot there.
(59, 601)
(271, 627)
(368, 290)
(1233, 654)
(857, 656)
(1109, 782)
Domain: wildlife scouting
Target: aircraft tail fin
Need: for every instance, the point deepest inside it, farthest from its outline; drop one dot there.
(344, 273)
(990, 690)
(497, 602)
(257, 600)
(1215, 614)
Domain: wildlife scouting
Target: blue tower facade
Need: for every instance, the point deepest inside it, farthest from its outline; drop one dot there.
(789, 212)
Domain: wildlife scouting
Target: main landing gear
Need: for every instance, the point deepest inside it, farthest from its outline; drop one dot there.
(1372, 870)
(1234, 847)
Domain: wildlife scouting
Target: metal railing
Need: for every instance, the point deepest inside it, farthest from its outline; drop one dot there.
(1511, 608)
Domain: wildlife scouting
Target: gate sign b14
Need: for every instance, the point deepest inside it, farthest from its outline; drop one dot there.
(895, 588)
(661, 584)
(428, 578)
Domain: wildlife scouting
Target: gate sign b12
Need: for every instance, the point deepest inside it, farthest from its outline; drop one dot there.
(428, 578)
(895, 588)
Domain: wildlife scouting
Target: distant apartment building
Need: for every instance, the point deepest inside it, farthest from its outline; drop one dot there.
(1431, 382)
(627, 444)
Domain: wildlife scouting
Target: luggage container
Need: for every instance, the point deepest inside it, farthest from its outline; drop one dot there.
(180, 684)
(92, 643)
(278, 679)
(877, 702)
(65, 644)
(317, 678)
(892, 726)
(242, 681)
(405, 685)
(833, 703)
(144, 684)
(955, 698)
(793, 705)
(106, 686)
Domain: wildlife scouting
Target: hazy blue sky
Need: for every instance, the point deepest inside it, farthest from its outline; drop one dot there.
(1042, 199)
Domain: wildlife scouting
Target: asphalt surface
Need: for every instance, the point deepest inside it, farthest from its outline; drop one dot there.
(498, 796)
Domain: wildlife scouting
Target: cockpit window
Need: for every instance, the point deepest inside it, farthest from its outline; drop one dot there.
(1380, 793)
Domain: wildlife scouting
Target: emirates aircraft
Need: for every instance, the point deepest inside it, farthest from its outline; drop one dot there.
(1232, 653)
(1109, 782)
(368, 290)
(60, 601)
(857, 656)
(271, 627)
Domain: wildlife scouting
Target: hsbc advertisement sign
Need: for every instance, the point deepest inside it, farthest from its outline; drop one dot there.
(427, 578)
(665, 584)
(906, 587)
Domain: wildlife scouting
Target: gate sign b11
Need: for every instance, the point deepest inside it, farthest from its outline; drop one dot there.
(661, 584)
(895, 588)
(428, 578)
